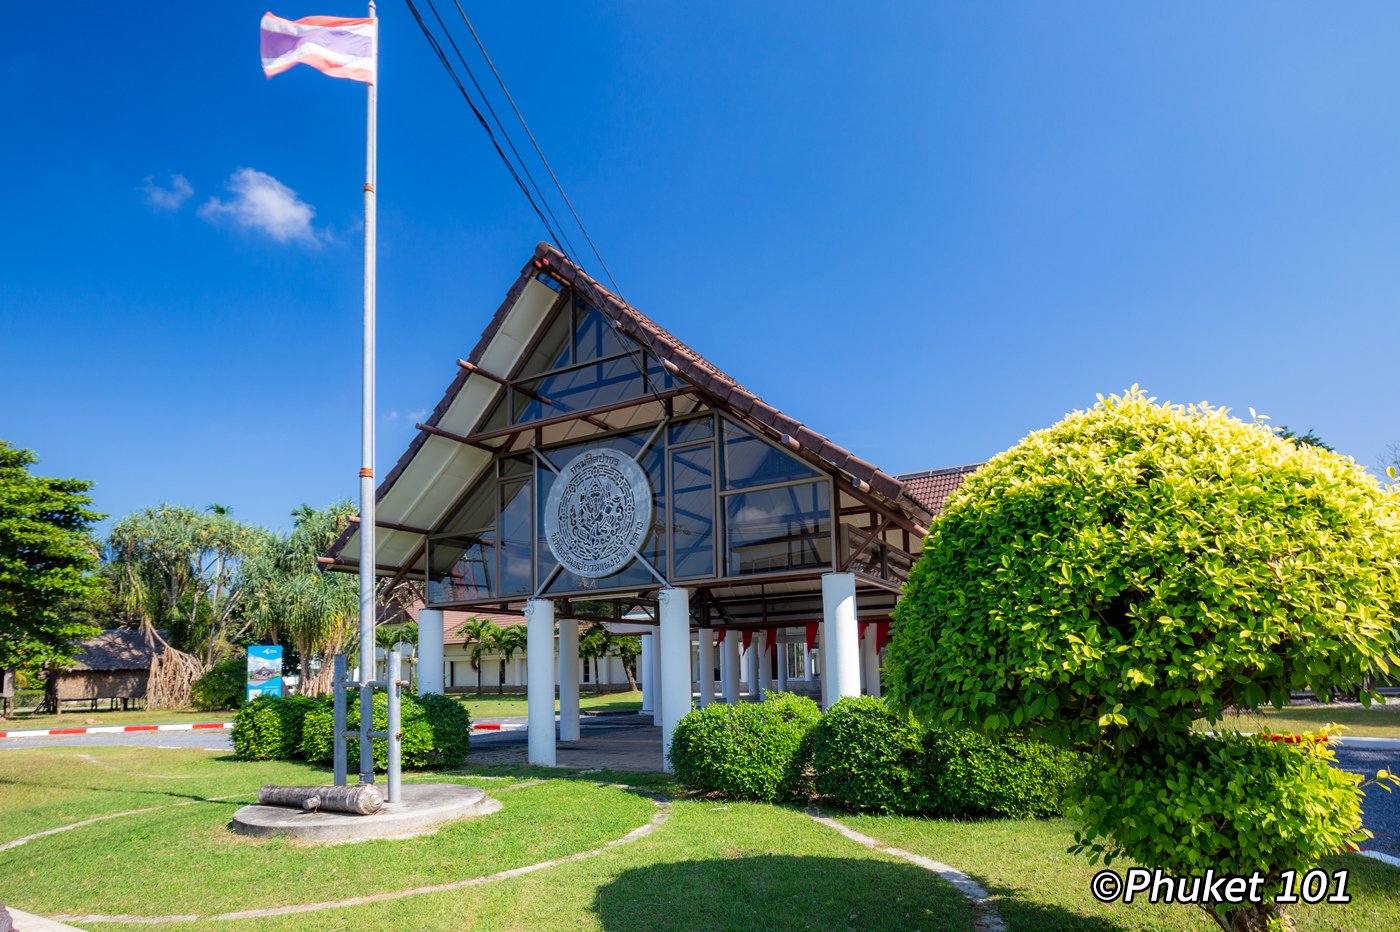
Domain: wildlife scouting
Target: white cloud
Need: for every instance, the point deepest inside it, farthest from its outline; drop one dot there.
(416, 415)
(261, 202)
(172, 197)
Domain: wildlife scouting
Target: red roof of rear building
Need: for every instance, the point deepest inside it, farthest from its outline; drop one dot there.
(932, 487)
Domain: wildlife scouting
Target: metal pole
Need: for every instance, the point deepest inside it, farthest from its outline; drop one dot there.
(367, 549)
(395, 665)
(339, 706)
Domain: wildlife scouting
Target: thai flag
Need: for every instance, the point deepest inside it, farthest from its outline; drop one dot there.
(339, 47)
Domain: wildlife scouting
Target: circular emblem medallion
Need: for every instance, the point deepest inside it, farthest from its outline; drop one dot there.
(597, 513)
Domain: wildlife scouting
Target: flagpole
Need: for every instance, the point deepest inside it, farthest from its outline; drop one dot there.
(367, 503)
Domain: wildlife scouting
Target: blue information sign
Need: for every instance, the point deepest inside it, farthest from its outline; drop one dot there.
(264, 670)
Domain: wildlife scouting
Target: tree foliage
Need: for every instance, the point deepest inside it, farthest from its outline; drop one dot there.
(506, 641)
(47, 562)
(480, 633)
(290, 597)
(179, 570)
(1138, 566)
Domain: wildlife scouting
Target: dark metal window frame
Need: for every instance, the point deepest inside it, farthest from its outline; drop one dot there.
(720, 536)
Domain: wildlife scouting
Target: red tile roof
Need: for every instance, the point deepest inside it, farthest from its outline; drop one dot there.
(452, 622)
(932, 487)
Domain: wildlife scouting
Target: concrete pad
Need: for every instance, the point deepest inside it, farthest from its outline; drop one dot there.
(424, 807)
(28, 922)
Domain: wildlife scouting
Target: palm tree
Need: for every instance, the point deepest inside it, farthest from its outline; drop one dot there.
(507, 641)
(481, 632)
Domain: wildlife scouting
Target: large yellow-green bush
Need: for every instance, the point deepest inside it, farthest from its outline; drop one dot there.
(1137, 566)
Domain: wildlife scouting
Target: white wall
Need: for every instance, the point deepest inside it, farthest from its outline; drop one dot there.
(461, 675)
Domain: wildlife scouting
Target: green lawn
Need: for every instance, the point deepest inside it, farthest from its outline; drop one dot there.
(734, 866)
(1379, 721)
(713, 865)
(81, 718)
(490, 705)
(1038, 885)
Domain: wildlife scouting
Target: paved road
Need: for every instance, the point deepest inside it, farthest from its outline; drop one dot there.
(1380, 809)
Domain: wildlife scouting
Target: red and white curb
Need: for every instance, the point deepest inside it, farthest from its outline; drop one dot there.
(1380, 856)
(116, 729)
(194, 726)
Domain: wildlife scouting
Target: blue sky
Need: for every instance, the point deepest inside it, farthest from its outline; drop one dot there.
(923, 228)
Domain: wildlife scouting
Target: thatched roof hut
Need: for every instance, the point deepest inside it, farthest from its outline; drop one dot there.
(113, 665)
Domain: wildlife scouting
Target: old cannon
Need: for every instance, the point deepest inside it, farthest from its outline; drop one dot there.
(361, 799)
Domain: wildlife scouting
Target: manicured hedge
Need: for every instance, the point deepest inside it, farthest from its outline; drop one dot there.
(270, 728)
(967, 774)
(436, 732)
(865, 754)
(748, 751)
(869, 756)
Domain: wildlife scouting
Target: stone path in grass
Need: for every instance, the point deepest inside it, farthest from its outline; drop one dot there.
(986, 918)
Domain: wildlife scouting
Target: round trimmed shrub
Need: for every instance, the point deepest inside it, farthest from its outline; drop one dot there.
(1138, 566)
(868, 756)
(753, 750)
(436, 732)
(1242, 804)
(270, 727)
(968, 775)
(223, 686)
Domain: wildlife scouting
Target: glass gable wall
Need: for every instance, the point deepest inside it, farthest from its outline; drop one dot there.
(579, 362)
(726, 503)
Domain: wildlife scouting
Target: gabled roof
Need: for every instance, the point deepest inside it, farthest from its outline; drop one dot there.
(703, 374)
(119, 649)
(933, 486)
(440, 462)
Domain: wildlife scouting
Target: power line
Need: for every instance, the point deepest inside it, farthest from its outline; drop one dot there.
(492, 110)
(451, 72)
(533, 142)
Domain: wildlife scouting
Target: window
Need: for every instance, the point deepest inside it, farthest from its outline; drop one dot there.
(751, 461)
(778, 529)
(693, 512)
(579, 389)
(517, 516)
(459, 569)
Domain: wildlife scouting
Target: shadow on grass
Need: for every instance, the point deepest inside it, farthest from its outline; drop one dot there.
(790, 892)
(780, 892)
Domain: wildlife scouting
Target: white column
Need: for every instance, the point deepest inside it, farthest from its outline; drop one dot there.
(657, 674)
(648, 687)
(840, 646)
(429, 651)
(765, 679)
(825, 675)
(806, 659)
(751, 667)
(731, 667)
(568, 680)
(706, 652)
(675, 661)
(782, 649)
(870, 662)
(539, 685)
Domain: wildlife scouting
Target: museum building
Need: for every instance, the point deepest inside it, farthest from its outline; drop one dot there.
(585, 464)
